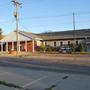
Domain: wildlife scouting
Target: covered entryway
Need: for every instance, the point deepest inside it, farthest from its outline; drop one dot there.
(25, 43)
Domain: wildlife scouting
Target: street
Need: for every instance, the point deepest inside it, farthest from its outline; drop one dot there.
(33, 74)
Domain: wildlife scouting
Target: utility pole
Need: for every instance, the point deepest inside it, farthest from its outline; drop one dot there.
(74, 31)
(16, 15)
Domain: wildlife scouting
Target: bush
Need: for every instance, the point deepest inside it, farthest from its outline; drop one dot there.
(37, 48)
(80, 47)
(49, 48)
(43, 48)
(72, 47)
(46, 48)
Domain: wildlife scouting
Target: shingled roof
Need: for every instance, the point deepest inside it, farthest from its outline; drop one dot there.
(66, 34)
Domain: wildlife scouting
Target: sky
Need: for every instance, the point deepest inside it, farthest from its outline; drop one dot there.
(39, 16)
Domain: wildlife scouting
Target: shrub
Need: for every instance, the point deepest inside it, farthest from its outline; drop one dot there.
(37, 48)
(49, 48)
(43, 48)
(80, 47)
(73, 47)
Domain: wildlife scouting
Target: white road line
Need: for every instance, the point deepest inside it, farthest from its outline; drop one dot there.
(35, 81)
(4, 73)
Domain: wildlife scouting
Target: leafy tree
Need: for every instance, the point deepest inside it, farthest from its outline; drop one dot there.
(0, 33)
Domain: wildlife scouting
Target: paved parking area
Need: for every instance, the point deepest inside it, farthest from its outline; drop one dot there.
(40, 80)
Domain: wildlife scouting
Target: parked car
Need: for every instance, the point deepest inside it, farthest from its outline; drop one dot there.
(65, 49)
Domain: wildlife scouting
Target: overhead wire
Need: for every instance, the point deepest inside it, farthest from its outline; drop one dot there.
(54, 16)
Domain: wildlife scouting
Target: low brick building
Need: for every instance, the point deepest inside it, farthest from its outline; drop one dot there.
(28, 41)
(56, 39)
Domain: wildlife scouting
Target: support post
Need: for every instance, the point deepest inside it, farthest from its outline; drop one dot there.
(12, 45)
(33, 50)
(6, 46)
(1, 46)
(26, 46)
(19, 46)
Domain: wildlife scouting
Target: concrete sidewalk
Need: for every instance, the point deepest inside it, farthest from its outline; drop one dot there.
(41, 80)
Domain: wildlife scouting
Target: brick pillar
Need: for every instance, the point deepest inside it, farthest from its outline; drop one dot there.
(33, 49)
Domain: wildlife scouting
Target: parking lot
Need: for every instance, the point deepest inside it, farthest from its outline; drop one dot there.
(42, 80)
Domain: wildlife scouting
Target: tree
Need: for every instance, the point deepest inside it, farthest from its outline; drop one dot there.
(0, 33)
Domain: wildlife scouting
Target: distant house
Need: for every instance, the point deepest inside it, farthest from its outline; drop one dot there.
(28, 41)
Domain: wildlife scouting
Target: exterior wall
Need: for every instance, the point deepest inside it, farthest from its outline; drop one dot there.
(49, 43)
(38, 43)
(29, 46)
(9, 46)
(58, 42)
(88, 48)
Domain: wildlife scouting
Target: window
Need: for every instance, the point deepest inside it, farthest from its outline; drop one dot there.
(61, 43)
(68, 42)
(76, 42)
(45, 43)
(54, 44)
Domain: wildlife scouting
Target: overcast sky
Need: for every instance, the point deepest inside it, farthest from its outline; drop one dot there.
(45, 15)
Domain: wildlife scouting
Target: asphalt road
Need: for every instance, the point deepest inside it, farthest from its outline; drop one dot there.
(44, 65)
(41, 74)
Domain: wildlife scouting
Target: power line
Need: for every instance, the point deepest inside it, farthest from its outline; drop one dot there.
(7, 21)
(83, 13)
(57, 16)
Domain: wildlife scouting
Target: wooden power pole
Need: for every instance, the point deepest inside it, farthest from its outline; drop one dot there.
(74, 31)
(16, 15)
